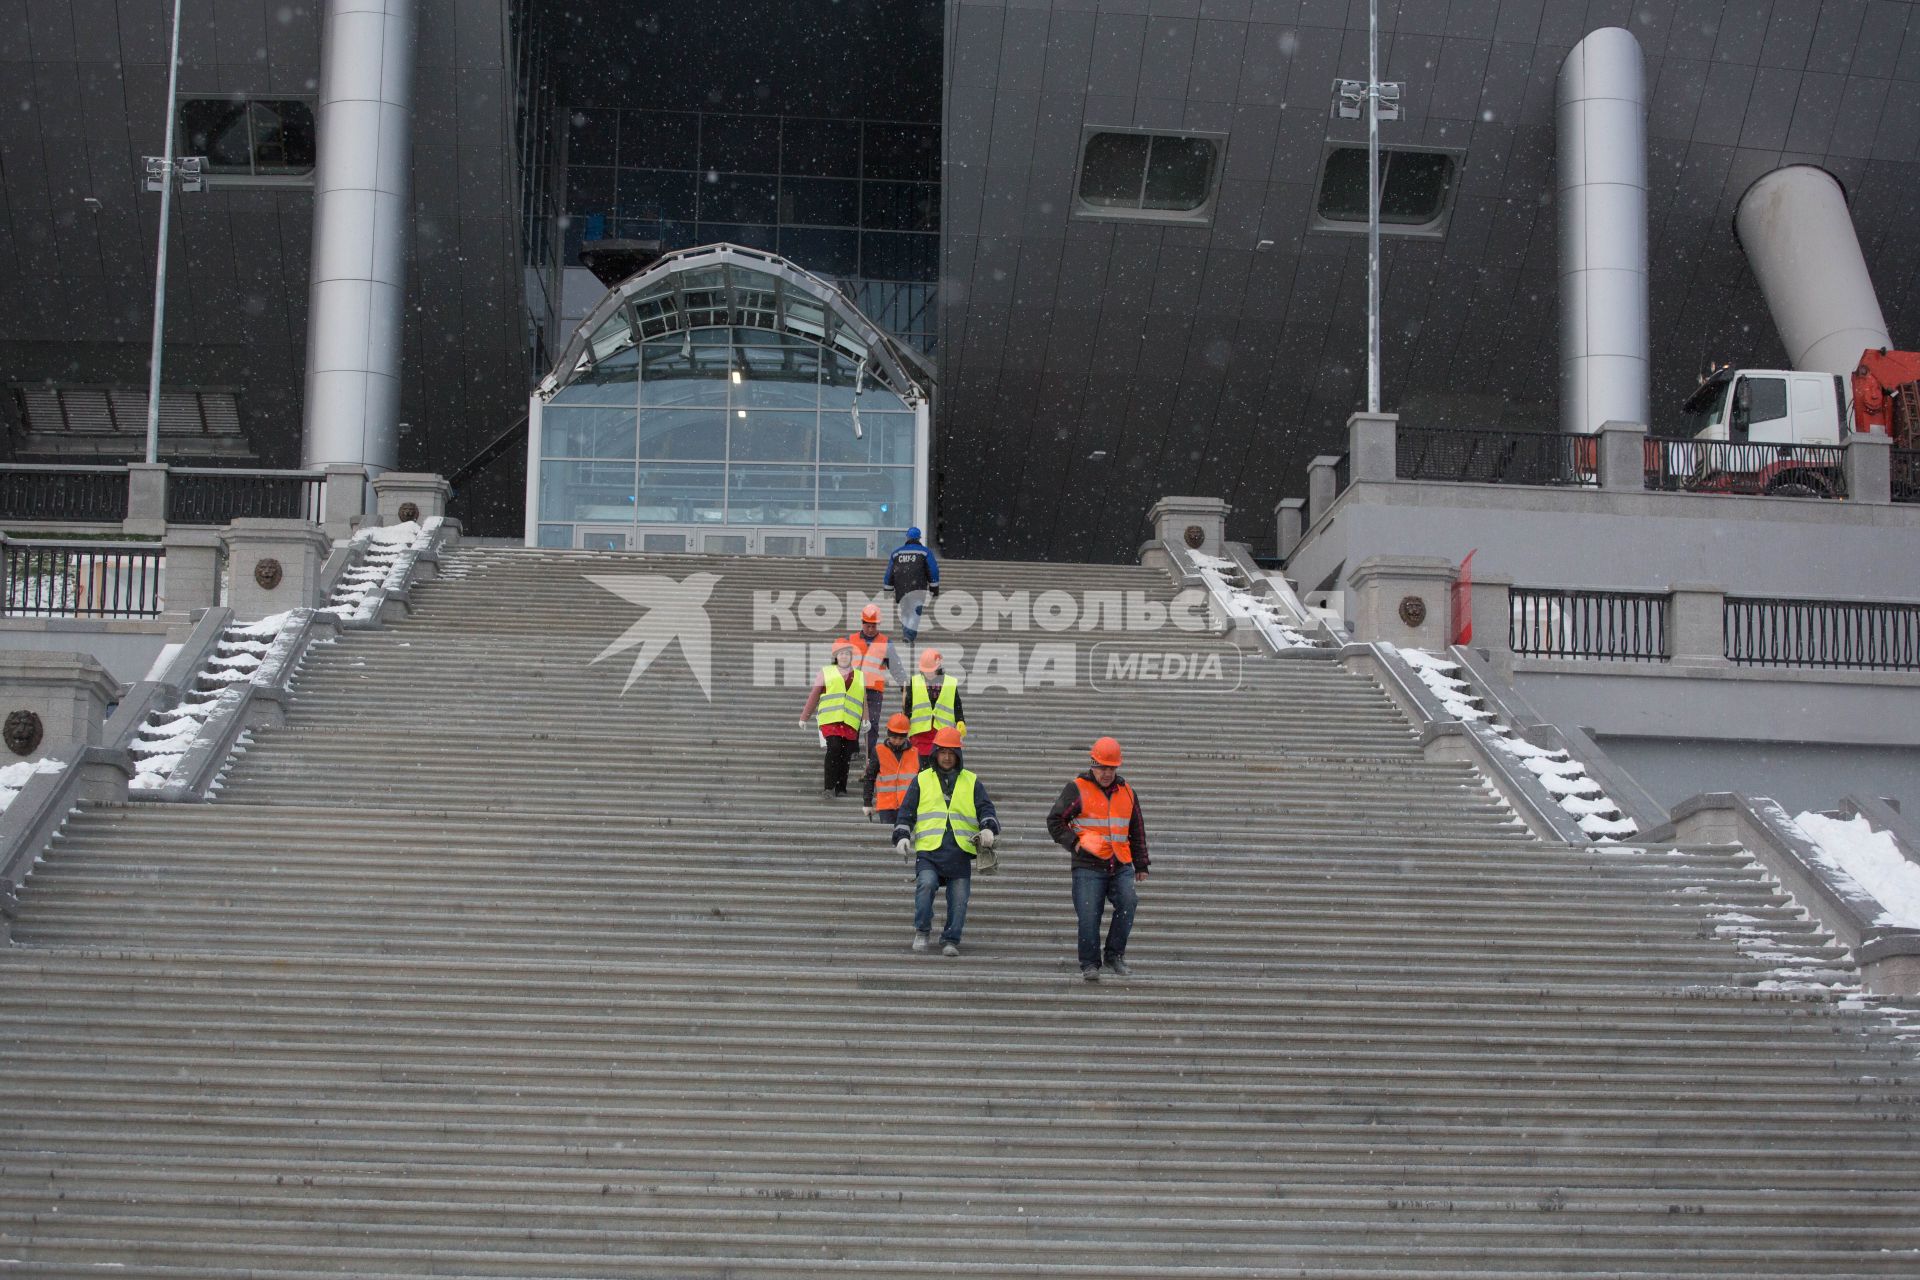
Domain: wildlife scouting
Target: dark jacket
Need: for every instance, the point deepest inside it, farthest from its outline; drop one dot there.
(1067, 808)
(950, 860)
(911, 568)
(959, 703)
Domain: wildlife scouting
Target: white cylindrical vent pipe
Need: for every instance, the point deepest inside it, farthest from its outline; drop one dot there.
(1798, 235)
(362, 217)
(1602, 187)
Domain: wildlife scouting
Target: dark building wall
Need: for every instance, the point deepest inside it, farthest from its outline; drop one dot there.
(1203, 364)
(86, 84)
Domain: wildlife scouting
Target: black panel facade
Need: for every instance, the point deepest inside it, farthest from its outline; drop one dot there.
(1090, 366)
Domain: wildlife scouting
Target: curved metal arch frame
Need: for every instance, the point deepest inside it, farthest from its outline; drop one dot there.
(899, 368)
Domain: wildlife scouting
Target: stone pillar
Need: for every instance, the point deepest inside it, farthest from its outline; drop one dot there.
(51, 699)
(1370, 444)
(1289, 520)
(146, 499)
(1323, 483)
(1869, 467)
(1491, 608)
(1623, 456)
(1403, 600)
(192, 569)
(346, 499)
(427, 495)
(1696, 626)
(1198, 524)
(273, 566)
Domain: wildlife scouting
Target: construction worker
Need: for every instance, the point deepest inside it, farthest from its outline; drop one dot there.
(1097, 819)
(872, 654)
(943, 822)
(932, 703)
(838, 705)
(899, 766)
(914, 575)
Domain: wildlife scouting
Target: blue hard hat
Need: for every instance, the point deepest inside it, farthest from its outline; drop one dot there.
(913, 534)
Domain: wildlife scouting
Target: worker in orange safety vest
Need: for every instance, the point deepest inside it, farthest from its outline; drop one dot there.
(899, 765)
(874, 656)
(1097, 819)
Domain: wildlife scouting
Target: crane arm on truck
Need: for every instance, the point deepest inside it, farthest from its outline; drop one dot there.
(1886, 398)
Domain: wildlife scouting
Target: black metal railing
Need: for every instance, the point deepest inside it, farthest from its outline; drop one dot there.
(82, 495)
(1726, 466)
(1342, 474)
(1628, 626)
(215, 495)
(1822, 633)
(1496, 457)
(1905, 464)
(81, 579)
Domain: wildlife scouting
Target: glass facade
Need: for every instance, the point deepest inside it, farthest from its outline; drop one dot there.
(725, 397)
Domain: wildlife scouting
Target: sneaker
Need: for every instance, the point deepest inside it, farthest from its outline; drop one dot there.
(950, 950)
(1091, 972)
(1120, 967)
(919, 942)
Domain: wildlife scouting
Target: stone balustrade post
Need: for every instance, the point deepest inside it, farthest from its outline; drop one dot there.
(1622, 456)
(1371, 446)
(1403, 600)
(1198, 524)
(50, 699)
(146, 499)
(273, 566)
(1696, 626)
(400, 496)
(1323, 486)
(346, 499)
(1490, 612)
(192, 571)
(1289, 519)
(1869, 468)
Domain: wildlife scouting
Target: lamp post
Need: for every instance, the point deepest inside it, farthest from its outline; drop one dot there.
(161, 172)
(1382, 103)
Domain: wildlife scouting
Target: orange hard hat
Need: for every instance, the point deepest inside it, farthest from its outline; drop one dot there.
(1106, 751)
(948, 737)
(870, 614)
(898, 723)
(929, 661)
(842, 643)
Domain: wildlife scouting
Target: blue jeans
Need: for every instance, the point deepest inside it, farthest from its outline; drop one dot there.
(1092, 890)
(925, 881)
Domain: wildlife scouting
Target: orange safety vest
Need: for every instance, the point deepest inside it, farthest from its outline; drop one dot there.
(873, 659)
(1109, 817)
(897, 773)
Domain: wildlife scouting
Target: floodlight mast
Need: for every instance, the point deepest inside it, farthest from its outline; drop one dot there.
(160, 264)
(1373, 206)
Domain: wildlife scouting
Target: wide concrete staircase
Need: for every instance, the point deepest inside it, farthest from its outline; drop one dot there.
(484, 967)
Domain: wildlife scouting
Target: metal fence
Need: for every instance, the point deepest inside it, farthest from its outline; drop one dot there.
(81, 579)
(1726, 466)
(83, 495)
(1496, 457)
(1628, 626)
(1822, 633)
(212, 495)
(1906, 474)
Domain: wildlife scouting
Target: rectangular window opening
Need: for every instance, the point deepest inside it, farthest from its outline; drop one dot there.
(1161, 177)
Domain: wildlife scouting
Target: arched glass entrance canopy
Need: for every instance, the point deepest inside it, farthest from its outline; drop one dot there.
(724, 400)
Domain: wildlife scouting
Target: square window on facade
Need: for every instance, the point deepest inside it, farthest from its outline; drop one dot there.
(659, 140)
(656, 195)
(820, 202)
(1416, 190)
(824, 148)
(900, 206)
(822, 251)
(740, 144)
(249, 137)
(901, 152)
(1149, 176)
(731, 197)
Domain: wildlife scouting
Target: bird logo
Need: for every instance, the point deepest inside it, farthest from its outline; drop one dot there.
(674, 611)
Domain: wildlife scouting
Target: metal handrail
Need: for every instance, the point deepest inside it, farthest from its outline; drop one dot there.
(1835, 634)
(1471, 455)
(48, 578)
(1626, 626)
(1746, 468)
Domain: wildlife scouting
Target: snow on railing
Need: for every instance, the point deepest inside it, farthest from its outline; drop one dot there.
(163, 739)
(15, 776)
(386, 555)
(1564, 777)
(1223, 579)
(1871, 859)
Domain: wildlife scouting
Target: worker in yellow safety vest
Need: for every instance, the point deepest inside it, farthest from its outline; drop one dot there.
(1097, 819)
(873, 654)
(944, 821)
(933, 703)
(838, 706)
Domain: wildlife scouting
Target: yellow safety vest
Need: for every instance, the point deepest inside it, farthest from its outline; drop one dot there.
(841, 701)
(929, 715)
(939, 811)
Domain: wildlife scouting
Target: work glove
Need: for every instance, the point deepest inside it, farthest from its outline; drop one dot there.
(988, 838)
(904, 848)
